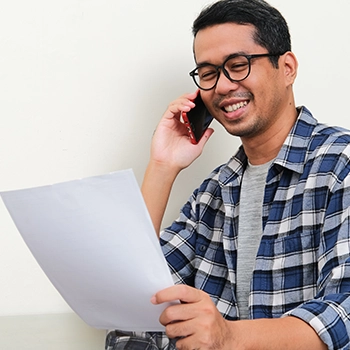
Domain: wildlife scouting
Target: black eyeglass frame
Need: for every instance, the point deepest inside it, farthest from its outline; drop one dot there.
(222, 68)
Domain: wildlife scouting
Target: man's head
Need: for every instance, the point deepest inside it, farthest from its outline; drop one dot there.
(245, 68)
(271, 29)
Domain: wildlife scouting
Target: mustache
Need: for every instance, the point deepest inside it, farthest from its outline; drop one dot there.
(240, 95)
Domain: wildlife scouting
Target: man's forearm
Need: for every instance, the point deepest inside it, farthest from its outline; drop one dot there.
(288, 333)
(156, 187)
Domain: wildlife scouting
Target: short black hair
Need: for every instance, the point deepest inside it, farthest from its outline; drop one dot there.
(271, 29)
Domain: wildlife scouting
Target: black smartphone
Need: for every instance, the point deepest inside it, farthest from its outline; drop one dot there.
(197, 120)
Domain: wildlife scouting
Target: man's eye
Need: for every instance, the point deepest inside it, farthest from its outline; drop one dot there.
(237, 67)
(207, 74)
(237, 64)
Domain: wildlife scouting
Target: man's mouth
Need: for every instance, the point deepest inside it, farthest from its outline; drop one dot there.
(234, 107)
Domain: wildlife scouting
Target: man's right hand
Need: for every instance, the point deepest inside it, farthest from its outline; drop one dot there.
(171, 145)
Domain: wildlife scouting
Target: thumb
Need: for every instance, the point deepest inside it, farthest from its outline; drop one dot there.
(206, 136)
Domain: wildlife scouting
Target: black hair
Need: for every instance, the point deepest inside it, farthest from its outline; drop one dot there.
(271, 29)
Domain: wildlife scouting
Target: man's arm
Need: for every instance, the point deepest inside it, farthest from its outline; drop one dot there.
(156, 187)
(199, 325)
(171, 151)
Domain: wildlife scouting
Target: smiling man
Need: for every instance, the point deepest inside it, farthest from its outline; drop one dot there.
(260, 252)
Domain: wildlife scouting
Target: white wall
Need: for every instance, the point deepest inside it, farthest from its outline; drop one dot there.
(84, 82)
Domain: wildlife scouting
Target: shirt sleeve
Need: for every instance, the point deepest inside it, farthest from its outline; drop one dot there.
(328, 313)
(178, 244)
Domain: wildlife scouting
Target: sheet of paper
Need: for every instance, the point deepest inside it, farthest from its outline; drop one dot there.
(95, 241)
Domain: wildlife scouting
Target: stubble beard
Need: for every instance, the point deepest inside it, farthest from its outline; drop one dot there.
(248, 131)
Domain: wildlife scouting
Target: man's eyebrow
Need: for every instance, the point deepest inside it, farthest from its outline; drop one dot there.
(206, 63)
(201, 64)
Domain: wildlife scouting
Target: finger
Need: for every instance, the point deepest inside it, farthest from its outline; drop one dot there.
(190, 342)
(175, 314)
(191, 96)
(180, 292)
(179, 329)
(206, 136)
(183, 104)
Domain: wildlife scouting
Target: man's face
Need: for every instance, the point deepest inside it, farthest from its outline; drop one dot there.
(250, 107)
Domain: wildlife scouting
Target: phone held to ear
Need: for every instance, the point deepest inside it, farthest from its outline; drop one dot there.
(197, 120)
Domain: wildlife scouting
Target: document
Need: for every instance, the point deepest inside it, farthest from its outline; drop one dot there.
(95, 241)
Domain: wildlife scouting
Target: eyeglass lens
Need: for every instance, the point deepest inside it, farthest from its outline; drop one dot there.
(237, 68)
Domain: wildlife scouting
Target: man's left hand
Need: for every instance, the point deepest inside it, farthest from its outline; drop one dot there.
(195, 321)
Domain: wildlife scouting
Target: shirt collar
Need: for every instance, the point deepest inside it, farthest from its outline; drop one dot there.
(291, 155)
(294, 149)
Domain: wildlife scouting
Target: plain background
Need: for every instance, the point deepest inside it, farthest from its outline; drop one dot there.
(83, 84)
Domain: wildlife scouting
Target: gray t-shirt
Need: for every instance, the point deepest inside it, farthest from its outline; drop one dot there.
(249, 230)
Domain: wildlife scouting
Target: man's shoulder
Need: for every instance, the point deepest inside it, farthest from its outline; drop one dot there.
(328, 151)
(328, 138)
(321, 135)
(312, 146)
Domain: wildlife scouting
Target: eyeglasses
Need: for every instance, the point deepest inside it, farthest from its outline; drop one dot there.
(236, 68)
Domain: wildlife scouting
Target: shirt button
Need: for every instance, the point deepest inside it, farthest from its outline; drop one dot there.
(202, 248)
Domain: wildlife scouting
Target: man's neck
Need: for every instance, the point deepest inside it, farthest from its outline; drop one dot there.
(262, 148)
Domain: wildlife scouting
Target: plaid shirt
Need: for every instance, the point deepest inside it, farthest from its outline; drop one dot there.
(302, 266)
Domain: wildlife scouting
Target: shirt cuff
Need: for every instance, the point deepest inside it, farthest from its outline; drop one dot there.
(328, 320)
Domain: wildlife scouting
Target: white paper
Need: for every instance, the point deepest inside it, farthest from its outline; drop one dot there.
(95, 241)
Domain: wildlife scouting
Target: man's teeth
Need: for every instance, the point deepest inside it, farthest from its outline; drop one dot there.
(236, 106)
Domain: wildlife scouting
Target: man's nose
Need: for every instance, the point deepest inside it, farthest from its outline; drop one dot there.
(225, 85)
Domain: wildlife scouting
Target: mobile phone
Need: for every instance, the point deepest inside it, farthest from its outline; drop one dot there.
(197, 120)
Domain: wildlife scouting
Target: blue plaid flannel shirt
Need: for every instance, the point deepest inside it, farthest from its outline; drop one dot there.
(302, 266)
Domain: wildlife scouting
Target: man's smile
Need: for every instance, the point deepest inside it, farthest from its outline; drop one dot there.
(234, 107)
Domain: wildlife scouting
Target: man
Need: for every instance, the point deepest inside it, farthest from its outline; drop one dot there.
(260, 252)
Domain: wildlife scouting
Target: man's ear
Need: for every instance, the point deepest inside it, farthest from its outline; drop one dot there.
(289, 64)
